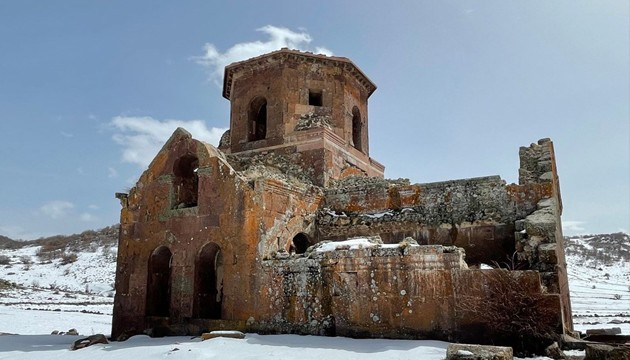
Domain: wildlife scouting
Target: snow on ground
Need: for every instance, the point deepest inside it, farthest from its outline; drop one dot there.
(254, 346)
(600, 293)
(38, 322)
(56, 293)
(85, 284)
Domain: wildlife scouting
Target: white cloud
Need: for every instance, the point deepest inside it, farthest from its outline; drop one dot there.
(570, 227)
(93, 207)
(87, 217)
(278, 37)
(56, 209)
(66, 134)
(112, 173)
(141, 137)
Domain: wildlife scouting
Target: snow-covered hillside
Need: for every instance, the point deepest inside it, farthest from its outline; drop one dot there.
(599, 280)
(73, 273)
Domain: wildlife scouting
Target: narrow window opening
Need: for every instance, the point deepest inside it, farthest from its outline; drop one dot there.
(257, 119)
(315, 98)
(208, 282)
(357, 129)
(186, 182)
(299, 244)
(159, 283)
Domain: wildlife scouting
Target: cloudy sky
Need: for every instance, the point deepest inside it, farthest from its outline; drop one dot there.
(89, 91)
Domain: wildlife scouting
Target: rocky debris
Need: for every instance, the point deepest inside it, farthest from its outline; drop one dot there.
(408, 241)
(269, 166)
(312, 120)
(478, 352)
(73, 332)
(225, 141)
(553, 351)
(572, 342)
(89, 341)
(233, 334)
(356, 181)
(606, 352)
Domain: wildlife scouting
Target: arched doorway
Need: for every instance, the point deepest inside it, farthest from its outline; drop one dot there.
(257, 115)
(159, 282)
(208, 282)
(300, 243)
(357, 128)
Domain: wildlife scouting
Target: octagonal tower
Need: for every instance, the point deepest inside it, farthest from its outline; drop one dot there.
(311, 108)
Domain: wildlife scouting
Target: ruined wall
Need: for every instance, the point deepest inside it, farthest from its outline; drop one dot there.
(539, 239)
(226, 216)
(475, 214)
(391, 291)
(514, 226)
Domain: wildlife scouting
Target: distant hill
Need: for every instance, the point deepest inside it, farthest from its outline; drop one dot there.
(604, 249)
(107, 236)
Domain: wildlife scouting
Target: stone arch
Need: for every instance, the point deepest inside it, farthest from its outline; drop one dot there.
(186, 181)
(257, 119)
(300, 243)
(159, 282)
(208, 282)
(357, 129)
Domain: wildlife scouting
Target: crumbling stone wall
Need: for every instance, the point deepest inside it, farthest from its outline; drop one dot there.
(476, 214)
(404, 291)
(539, 239)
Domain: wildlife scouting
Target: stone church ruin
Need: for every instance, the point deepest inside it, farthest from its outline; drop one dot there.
(289, 226)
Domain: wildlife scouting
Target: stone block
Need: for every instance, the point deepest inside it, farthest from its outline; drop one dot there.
(609, 331)
(547, 253)
(606, 352)
(233, 334)
(553, 351)
(478, 352)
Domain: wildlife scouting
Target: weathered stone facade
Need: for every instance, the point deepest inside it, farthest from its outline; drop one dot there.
(236, 237)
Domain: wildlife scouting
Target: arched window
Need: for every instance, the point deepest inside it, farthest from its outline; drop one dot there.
(159, 283)
(300, 243)
(186, 182)
(208, 282)
(357, 129)
(257, 119)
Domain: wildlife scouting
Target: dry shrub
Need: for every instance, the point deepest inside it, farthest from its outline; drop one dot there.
(512, 314)
(68, 258)
(5, 260)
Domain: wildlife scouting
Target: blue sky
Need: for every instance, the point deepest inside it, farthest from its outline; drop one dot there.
(90, 90)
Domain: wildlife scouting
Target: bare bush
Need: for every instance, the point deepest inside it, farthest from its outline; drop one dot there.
(8, 285)
(45, 254)
(512, 313)
(26, 259)
(68, 258)
(5, 260)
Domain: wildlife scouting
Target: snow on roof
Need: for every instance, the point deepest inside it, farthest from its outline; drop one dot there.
(352, 244)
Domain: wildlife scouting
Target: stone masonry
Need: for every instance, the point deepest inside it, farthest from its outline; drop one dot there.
(261, 233)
